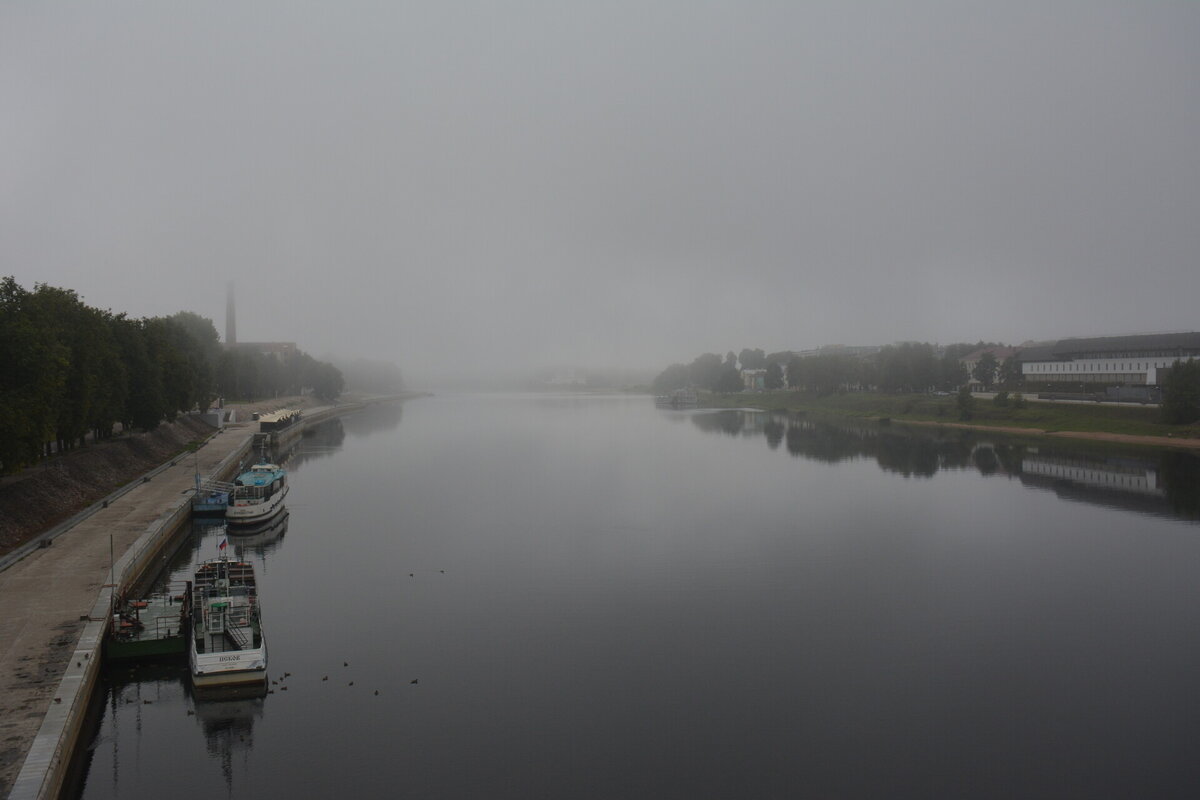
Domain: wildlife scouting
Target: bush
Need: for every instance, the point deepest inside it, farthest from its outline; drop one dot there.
(1018, 400)
(1001, 399)
(965, 403)
(1181, 393)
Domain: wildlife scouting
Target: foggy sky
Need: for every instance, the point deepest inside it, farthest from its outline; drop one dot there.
(465, 186)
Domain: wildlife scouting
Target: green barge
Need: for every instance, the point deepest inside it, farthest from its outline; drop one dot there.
(150, 627)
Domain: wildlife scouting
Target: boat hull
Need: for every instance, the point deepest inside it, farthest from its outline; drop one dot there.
(237, 668)
(258, 513)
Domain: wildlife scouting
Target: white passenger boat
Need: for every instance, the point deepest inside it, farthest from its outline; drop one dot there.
(227, 643)
(257, 494)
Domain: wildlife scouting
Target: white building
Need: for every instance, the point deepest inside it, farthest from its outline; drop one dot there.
(1125, 360)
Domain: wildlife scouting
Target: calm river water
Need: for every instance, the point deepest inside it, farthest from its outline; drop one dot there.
(589, 597)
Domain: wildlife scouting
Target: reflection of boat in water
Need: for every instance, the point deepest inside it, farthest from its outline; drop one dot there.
(680, 398)
(228, 646)
(257, 494)
(149, 627)
(262, 537)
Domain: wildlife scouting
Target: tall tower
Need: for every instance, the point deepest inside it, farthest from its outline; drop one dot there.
(230, 319)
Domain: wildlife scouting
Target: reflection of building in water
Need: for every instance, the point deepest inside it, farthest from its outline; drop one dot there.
(1126, 475)
(1128, 483)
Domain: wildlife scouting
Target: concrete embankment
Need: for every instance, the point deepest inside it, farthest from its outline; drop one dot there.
(56, 602)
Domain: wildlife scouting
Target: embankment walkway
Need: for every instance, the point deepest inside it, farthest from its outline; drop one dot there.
(55, 604)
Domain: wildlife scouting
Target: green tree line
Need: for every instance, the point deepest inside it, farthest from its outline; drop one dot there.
(908, 367)
(68, 370)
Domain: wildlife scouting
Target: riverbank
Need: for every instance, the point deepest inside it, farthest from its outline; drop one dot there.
(1125, 425)
(55, 601)
(39, 498)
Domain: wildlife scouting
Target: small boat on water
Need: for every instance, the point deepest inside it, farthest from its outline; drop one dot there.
(227, 643)
(211, 498)
(680, 398)
(257, 494)
(154, 626)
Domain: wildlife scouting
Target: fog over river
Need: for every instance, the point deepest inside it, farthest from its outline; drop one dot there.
(587, 597)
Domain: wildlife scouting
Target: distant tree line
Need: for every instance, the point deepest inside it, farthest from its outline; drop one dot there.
(908, 367)
(68, 370)
(1181, 393)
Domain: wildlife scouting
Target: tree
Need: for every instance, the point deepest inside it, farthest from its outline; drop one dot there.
(1010, 372)
(965, 403)
(795, 372)
(908, 367)
(752, 359)
(672, 378)
(1181, 393)
(327, 382)
(774, 377)
(985, 370)
(144, 398)
(705, 370)
(951, 373)
(730, 380)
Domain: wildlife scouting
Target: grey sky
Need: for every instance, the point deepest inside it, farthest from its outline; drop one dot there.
(452, 185)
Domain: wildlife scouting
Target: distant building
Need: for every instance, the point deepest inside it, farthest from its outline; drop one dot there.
(230, 318)
(280, 350)
(972, 359)
(755, 380)
(567, 377)
(1111, 360)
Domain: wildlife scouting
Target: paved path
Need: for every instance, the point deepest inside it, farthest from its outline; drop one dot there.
(48, 596)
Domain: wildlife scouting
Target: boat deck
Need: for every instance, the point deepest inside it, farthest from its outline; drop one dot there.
(148, 627)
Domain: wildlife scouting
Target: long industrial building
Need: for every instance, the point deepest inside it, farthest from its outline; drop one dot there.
(1124, 360)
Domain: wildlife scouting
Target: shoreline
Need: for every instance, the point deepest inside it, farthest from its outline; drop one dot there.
(58, 599)
(1186, 441)
(1093, 436)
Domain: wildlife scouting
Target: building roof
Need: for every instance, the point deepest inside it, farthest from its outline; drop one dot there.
(1000, 353)
(1066, 349)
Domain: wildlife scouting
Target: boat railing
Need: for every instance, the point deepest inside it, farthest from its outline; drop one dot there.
(236, 636)
(134, 627)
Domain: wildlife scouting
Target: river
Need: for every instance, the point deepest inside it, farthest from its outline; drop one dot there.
(514, 596)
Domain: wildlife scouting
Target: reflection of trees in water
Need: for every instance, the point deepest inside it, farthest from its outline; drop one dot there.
(1179, 477)
(728, 422)
(911, 451)
(318, 442)
(825, 443)
(374, 419)
(774, 429)
(986, 461)
(1173, 477)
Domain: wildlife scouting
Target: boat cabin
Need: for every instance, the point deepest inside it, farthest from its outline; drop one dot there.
(258, 484)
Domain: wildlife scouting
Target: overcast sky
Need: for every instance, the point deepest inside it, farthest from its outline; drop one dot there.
(455, 186)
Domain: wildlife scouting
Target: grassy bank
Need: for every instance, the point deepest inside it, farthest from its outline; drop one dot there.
(1049, 417)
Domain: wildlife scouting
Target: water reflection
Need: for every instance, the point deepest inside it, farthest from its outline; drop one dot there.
(1161, 483)
(227, 720)
(375, 418)
(600, 603)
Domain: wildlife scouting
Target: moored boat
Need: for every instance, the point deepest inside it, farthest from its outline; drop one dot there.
(680, 398)
(210, 498)
(257, 494)
(149, 627)
(227, 643)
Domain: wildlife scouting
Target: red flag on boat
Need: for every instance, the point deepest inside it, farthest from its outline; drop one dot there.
(221, 546)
